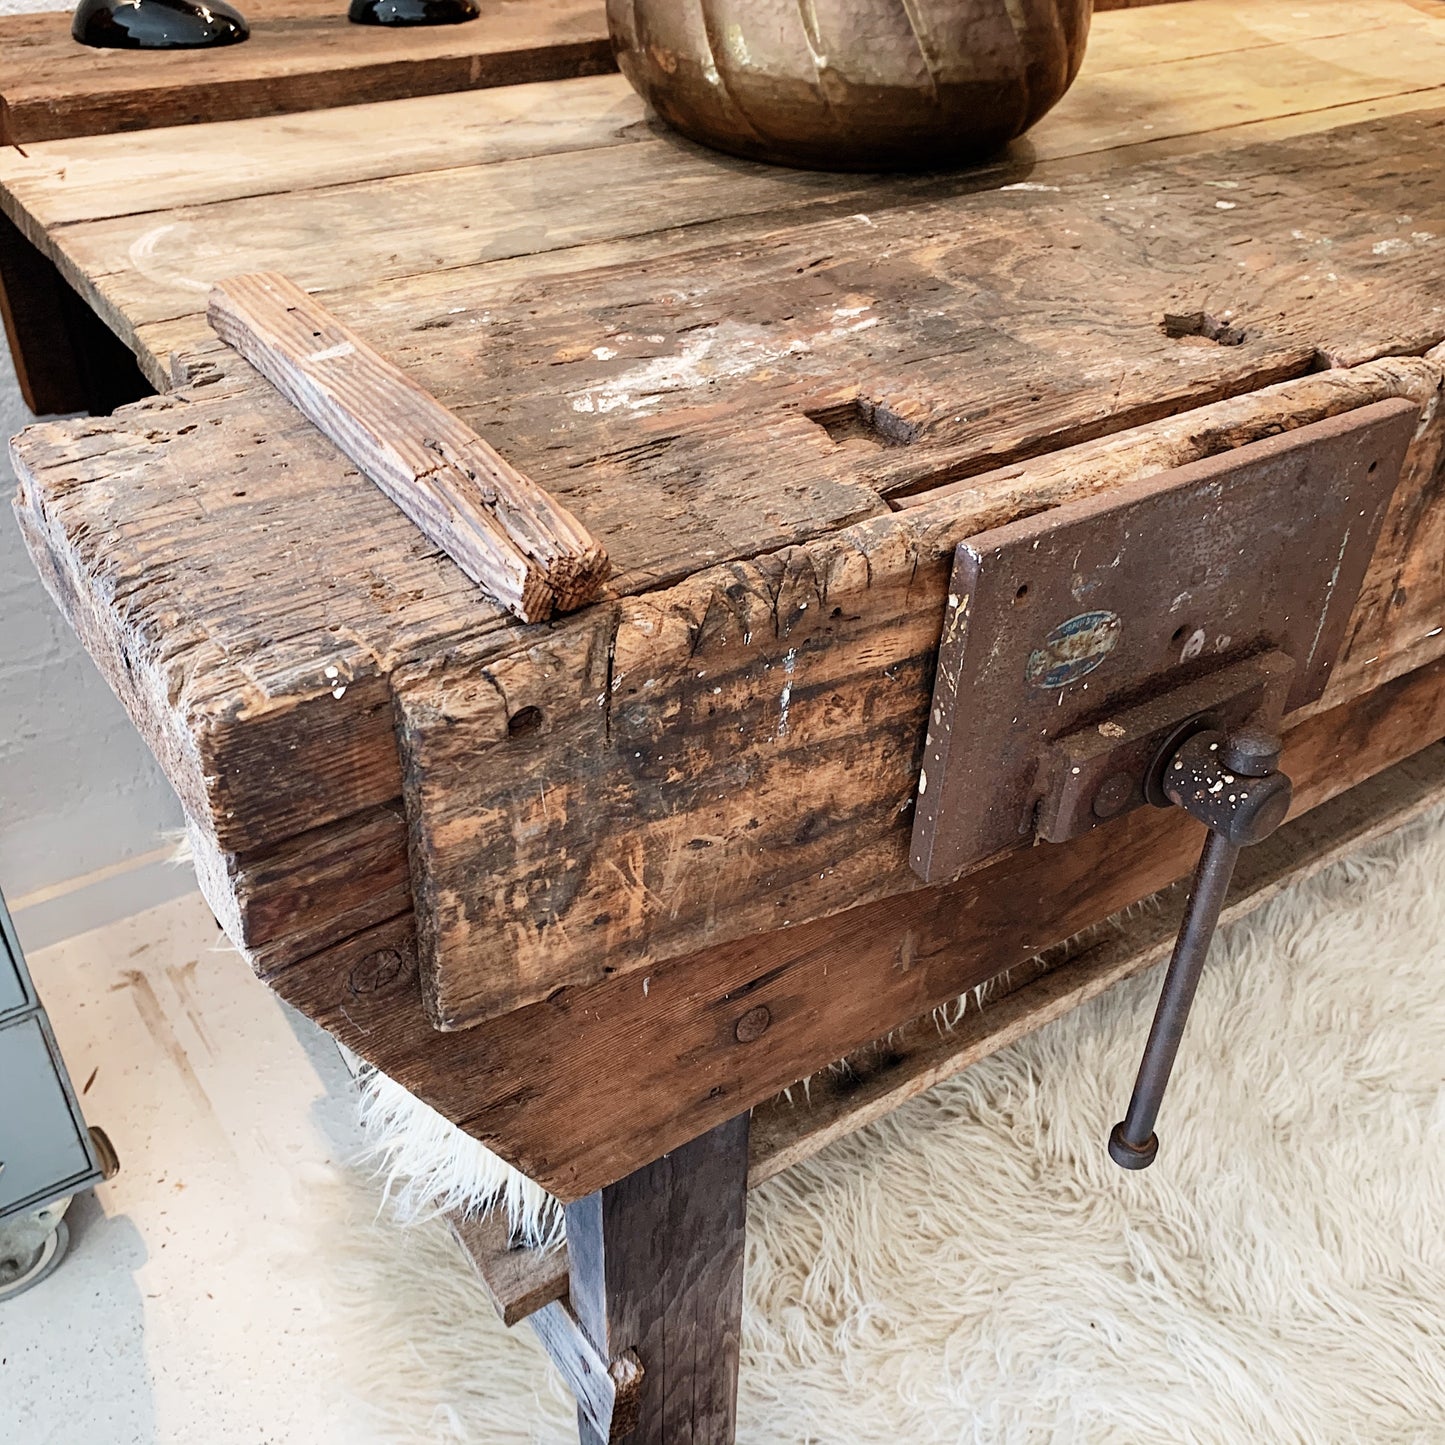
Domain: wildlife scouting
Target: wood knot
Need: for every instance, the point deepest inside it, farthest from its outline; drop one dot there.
(753, 1024)
(378, 970)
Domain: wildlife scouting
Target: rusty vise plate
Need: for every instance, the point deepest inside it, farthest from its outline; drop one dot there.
(1103, 771)
(1056, 621)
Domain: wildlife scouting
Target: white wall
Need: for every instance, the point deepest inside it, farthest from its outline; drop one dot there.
(79, 792)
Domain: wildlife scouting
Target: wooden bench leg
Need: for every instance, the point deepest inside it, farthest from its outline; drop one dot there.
(656, 1265)
(66, 358)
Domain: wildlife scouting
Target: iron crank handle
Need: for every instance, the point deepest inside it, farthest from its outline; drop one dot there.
(1234, 787)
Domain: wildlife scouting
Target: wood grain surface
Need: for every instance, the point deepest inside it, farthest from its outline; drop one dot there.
(803, 360)
(606, 1391)
(872, 1081)
(302, 55)
(657, 1270)
(519, 1280)
(62, 181)
(320, 852)
(684, 458)
(1152, 79)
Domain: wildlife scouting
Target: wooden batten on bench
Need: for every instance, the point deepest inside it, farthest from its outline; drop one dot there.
(506, 533)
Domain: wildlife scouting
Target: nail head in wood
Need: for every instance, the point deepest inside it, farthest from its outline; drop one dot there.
(753, 1024)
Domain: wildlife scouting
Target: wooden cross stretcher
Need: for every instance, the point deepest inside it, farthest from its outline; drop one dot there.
(598, 887)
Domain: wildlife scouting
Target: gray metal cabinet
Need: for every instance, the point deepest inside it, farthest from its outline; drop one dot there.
(46, 1152)
(15, 991)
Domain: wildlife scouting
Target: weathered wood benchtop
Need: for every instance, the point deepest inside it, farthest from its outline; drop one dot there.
(781, 399)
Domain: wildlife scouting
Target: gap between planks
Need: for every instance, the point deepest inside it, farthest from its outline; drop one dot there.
(521, 1281)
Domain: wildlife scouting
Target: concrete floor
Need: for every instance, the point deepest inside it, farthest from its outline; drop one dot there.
(189, 1311)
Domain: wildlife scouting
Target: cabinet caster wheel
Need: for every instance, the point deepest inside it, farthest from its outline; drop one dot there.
(105, 1153)
(22, 1269)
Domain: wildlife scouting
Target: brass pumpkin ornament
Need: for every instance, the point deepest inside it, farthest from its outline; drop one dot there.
(851, 84)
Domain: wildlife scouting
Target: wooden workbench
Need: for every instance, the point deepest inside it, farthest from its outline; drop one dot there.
(658, 850)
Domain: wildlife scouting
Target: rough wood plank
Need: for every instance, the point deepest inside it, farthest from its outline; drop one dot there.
(741, 752)
(261, 680)
(657, 1270)
(669, 1042)
(875, 325)
(313, 890)
(787, 1130)
(324, 758)
(159, 265)
(790, 1128)
(302, 55)
(506, 533)
(518, 1280)
(606, 1392)
(243, 701)
(242, 696)
(78, 179)
(178, 352)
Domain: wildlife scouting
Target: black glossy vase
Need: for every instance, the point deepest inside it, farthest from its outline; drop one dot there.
(157, 24)
(412, 12)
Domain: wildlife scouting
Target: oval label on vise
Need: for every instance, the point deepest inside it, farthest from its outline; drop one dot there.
(1074, 649)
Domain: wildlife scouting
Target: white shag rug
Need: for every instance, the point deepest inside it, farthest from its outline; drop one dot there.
(974, 1269)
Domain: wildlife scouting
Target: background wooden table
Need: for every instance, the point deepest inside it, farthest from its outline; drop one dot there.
(302, 55)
